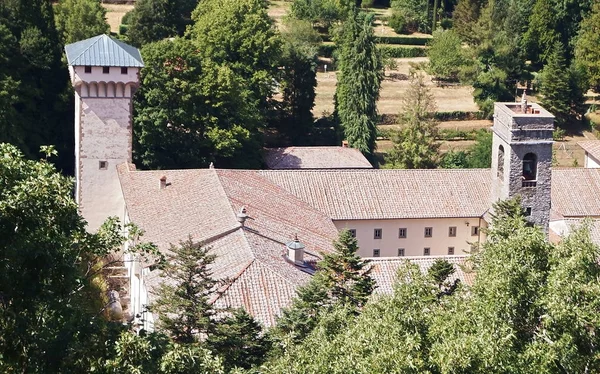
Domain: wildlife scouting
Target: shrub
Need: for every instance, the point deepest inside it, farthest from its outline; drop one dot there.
(123, 29)
(126, 20)
(398, 22)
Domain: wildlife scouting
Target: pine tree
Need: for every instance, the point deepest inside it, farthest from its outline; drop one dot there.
(555, 88)
(541, 34)
(342, 279)
(359, 79)
(239, 340)
(414, 145)
(183, 297)
(587, 50)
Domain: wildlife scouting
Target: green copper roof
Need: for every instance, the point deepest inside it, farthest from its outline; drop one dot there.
(102, 50)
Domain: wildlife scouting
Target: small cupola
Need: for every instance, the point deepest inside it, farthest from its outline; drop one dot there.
(296, 251)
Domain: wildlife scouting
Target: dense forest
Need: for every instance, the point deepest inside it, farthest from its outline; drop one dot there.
(222, 81)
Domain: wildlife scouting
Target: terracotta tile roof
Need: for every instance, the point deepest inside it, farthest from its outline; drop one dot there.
(204, 203)
(315, 158)
(576, 192)
(389, 194)
(385, 270)
(592, 147)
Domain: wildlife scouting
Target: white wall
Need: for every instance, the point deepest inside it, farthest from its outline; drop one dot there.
(415, 240)
(104, 135)
(591, 162)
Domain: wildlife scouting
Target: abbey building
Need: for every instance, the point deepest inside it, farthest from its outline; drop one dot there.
(268, 228)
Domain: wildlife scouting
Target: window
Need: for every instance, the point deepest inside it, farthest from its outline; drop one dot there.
(376, 253)
(450, 251)
(377, 234)
(400, 252)
(474, 230)
(123, 70)
(527, 212)
(87, 69)
(103, 165)
(105, 69)
(501, 162)
(529, 170)
(426, 251)
(402, 233)
(353, 232)
(428, 232)
(452, 231)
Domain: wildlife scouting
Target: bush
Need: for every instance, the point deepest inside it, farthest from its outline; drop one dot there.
(406, 40)
(398, 22)
(123, 29)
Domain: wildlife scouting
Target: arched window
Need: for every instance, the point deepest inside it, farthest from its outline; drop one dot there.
(501, 162)
(530, 167)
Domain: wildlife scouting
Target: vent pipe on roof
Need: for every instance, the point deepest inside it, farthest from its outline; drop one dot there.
(211, 166)
(242, 216)
(296, 251)
(163, 182)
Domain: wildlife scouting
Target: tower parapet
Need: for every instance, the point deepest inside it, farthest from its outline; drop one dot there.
(104, 73)
(522, 157)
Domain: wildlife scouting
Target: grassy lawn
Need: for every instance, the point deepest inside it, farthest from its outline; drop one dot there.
(114, 14)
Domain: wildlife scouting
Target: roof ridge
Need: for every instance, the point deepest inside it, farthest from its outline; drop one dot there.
(98, 37)
(224, 288)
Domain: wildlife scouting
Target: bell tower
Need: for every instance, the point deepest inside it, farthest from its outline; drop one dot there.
(522, 157)
(104, 73)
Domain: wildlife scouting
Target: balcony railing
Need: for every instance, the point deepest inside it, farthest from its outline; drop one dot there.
(529, 183)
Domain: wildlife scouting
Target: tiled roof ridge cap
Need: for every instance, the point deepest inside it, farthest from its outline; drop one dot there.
(408, 258)
(221, 291)
(246, 229)
(373, 170)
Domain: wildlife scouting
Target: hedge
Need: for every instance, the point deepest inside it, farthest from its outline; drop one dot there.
(326, 50)
(123, 29)
(402, 52)
(405, 40)
(458, 116)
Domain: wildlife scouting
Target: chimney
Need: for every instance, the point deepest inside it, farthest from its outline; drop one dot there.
(242, 216)
(524, 101)
(296, 251)
(163, 182)
(344, 144)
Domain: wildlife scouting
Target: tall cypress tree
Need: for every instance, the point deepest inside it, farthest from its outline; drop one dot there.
(359, 79)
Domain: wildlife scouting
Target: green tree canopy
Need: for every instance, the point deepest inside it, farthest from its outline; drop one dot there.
(587, 50)
(360, 71)
(445, 55)
(415, 146)
(154, 20)
(532, 308)
(240, 34)
(190, 111)
(80, 19)
(320, 13)
(52, 298)
(35, 94)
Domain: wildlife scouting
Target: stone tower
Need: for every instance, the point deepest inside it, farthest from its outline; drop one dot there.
(104, 73)
(522, 157)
